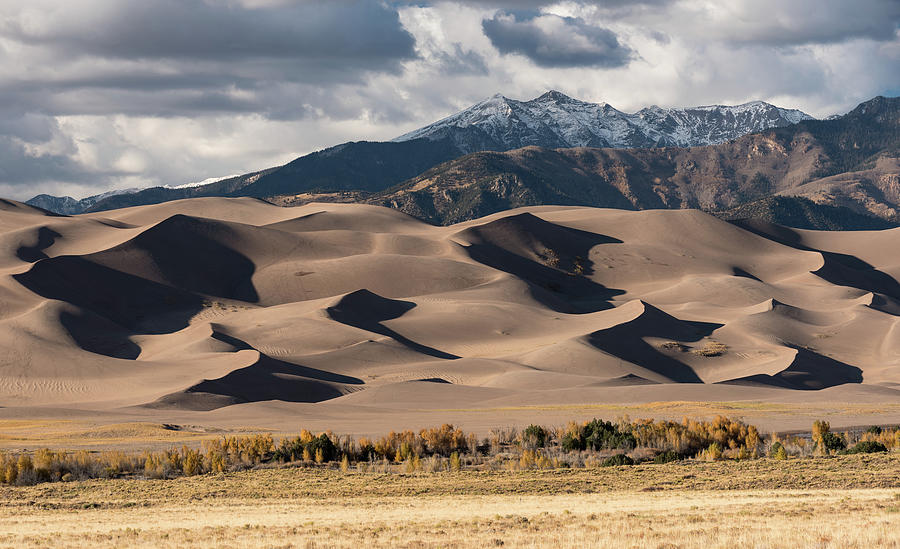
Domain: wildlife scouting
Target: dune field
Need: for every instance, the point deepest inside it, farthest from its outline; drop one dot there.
(228, 313)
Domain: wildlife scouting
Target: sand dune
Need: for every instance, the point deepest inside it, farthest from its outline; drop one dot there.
(232, 304)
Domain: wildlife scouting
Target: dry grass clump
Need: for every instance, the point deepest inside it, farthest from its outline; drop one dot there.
(549, 258)
(711, 349)
(46, 465)
(673, 346)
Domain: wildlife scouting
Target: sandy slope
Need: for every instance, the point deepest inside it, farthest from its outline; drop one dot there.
(223, 308)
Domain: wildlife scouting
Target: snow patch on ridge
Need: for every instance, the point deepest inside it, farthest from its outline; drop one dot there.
(555, 120)
(206, 181)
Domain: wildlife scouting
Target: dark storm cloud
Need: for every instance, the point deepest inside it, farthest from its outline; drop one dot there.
(17, 167)
(523, 4)
(108, 55)
(174, 58)
(765, 22)
(553, 41)
(498, 4)
(20, 165)
(778, 23)
(361, 34)
(171, 58)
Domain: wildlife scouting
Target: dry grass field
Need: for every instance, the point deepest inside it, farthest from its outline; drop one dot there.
(843, 501)
(226, 372)
(113, 432)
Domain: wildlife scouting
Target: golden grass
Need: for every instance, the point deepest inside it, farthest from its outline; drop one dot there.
(74, 435)
(697, 519)
(698, 409)
(847, 501)
(83, 434)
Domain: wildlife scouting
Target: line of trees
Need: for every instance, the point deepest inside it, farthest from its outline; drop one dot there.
(448, 448)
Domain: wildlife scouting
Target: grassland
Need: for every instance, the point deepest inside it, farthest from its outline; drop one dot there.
(842, 501)
(128, 435)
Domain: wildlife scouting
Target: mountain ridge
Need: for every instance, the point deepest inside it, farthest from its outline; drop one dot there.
(555, 120)
(375, 166)
(850, 162)
(846, 167)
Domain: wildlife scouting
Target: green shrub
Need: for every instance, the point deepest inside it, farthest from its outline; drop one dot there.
(598, 435)
(825, 440)
(299, 447)
(571, 441)
(618, 459)
(777, 451)
(833, 442)
(534, 436)
(323, 443)
(289, 450)
(866, 447)
(666, 457)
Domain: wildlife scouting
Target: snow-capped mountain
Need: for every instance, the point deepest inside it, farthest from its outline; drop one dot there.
(67, 205)
(555, 120)
(552, 120)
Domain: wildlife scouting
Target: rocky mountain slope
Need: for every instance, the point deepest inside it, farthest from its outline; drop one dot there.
(802, 213)
(497, 124)
(555, 120)
(66, 205)
(849, 162)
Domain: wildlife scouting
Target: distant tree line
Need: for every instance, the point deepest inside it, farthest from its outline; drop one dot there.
(448, 448)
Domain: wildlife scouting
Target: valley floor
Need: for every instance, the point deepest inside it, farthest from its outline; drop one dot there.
(139, 429)
(846, 501)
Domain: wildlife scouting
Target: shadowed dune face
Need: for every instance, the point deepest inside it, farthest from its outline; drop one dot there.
(45, 238)
(367, 311)
(131, 301)
(839, 268)
(196, 255)
(627, 341)
(813, 371)
(266, 379)
(208, 304)
(552, 258)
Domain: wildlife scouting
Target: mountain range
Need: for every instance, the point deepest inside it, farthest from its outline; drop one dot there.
(502, 153)
(554, 120)
(849, 163)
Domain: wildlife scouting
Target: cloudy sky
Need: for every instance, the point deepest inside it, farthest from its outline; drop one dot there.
(105, 94)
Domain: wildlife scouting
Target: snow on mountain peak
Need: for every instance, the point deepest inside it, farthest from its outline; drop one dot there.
(555, 96)
(556, 120)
